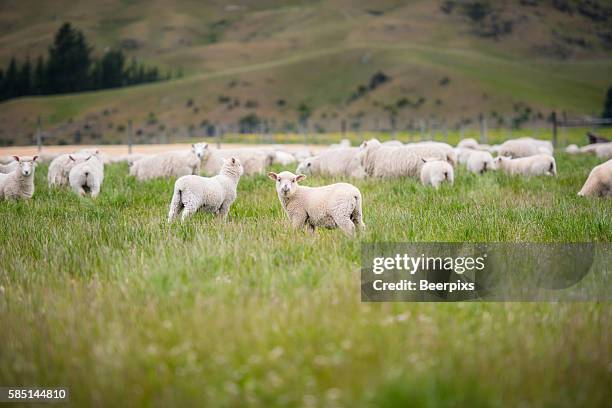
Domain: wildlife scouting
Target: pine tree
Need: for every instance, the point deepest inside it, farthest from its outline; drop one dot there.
(24, 79)
(38, 79)
(112, 69)
(10, 79)
(69, 61)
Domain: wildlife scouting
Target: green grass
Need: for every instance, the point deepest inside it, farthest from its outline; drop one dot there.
(107, 299)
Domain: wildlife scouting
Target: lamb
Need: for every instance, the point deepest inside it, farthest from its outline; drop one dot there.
(479, 162)
(406, 161)
(19, 184)
(339, 162)
(463, 154)
(174, 163)
(451, 154)
(87, 176)
(468, 143)
(435, 172)
(331, 206)
(599, 182)
(541, 164)
(254, 161)
(525, 147)
(60, 167)
(212, 194)
(8, 168)
(601, 150)
(283, 158)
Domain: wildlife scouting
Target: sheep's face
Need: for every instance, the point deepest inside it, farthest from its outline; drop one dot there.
(200, 150)
(286, 182)
(498, 162)
(233, 165)
(26, 165)
(305, 167)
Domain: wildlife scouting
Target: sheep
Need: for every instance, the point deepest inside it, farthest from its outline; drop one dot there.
(343, 143)
(8, 168)
(479, 162)
(302, 155)
(60, 167)
(463, 154)
(468, 143)
(451, 154)
(339, 162)
(601, 150)
(331, 206)
(87, 176)
(283, 158)
(541, 164)
(572, 149)
(254, 161)
(392, 143)
(599, 182)
(212, 194)
(174, 163)
(435, 172)
(406, 161)
(525, 147)
(19, 184)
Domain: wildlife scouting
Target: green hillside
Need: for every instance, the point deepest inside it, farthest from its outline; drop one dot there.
(444, 60)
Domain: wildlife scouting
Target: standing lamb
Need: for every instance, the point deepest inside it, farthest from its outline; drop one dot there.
(19, 184)
(175, 163)
(332, 206)
(60, 167)
(212, 194)
(599, 182)
(87, 177)
(479, 162)
(435, 172)
(339, 162)
(538, 165)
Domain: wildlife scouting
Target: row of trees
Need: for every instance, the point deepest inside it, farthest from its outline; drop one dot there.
(71, 67)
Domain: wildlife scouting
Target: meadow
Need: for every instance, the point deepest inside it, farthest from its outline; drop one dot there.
(107, 299)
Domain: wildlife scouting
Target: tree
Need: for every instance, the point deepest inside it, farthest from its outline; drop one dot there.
(607, 111)
(10, 80)
(112, 69)
(24, 79)
(38, 79)
(69, 61)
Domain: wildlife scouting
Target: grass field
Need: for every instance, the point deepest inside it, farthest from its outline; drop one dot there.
(107, 299)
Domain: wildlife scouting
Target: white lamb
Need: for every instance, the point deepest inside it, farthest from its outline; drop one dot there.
(406, 161)
(87, 177)
(435, 172)
(283, 158)
(254, 161)
(479, 162)
(463, 154)
(170, 164)
(601, 150)
(599, 182)
(541, 164)
(339, 162)
(60, 167)
(525, 147)
(211, 194)
(333, 206)
(468, 143)
(8, 168)
(19, 184)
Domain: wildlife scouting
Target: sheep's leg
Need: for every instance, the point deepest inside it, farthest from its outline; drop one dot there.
(223, 211)
(299, 220)
(95, 191)
(347, 226)
(188, 211)
(175, 205)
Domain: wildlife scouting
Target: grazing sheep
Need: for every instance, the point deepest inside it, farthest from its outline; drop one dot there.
(87, 176)
(406, 161)
(572, 149)
(254, 161)
(175, 163)
(212, 194)
(283, 158)
(468, 143)
(601, 150)
(339, 162)
(60, 167)
(599, 182)
(463, 154)
(19, 184)
(541, 164)
(332, 206)
(479, 162)
(435, 172)
(8, 168)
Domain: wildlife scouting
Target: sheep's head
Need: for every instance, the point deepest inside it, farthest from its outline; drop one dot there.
(498, 162)
(286, 182)
(305, 167)
(232, 166)
(26, 165)
(200, 150)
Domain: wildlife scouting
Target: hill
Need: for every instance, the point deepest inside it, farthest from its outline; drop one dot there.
(359, 62)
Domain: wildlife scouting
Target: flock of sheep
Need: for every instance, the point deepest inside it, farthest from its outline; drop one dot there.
(337, 205)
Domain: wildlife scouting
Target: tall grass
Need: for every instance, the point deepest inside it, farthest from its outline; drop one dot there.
(107, 299)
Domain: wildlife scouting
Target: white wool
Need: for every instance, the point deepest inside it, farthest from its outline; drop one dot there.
(451, 154)
(435, 172)
(525, 147)
(601, 150)
(8, 168)
(599, 182)
(343, 143)
(572, 149)
(19, 184)
(468, 143)
(212, 194)
(334, 206)
(463, 154)
(541, 164)
(283, 158)
(302, 155)
(254, 160)
(395, 143)
(87, 176)
(170, 164)
(60, 167)
(388, 162)
(479, 162)
(339, 162)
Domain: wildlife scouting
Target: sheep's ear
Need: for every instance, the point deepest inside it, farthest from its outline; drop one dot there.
(233, 160)
(423, 160)
(34, 158)
(88, 158)
(300, 177)
(273, 175)
(16, 158)
(205, 145)
(71, 158)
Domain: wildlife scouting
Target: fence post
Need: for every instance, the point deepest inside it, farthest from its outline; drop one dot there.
(39, 134)
(461, 131)
(217, 135)
(483, 128)
(554, 129)
(129, 135)
(422, 130)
